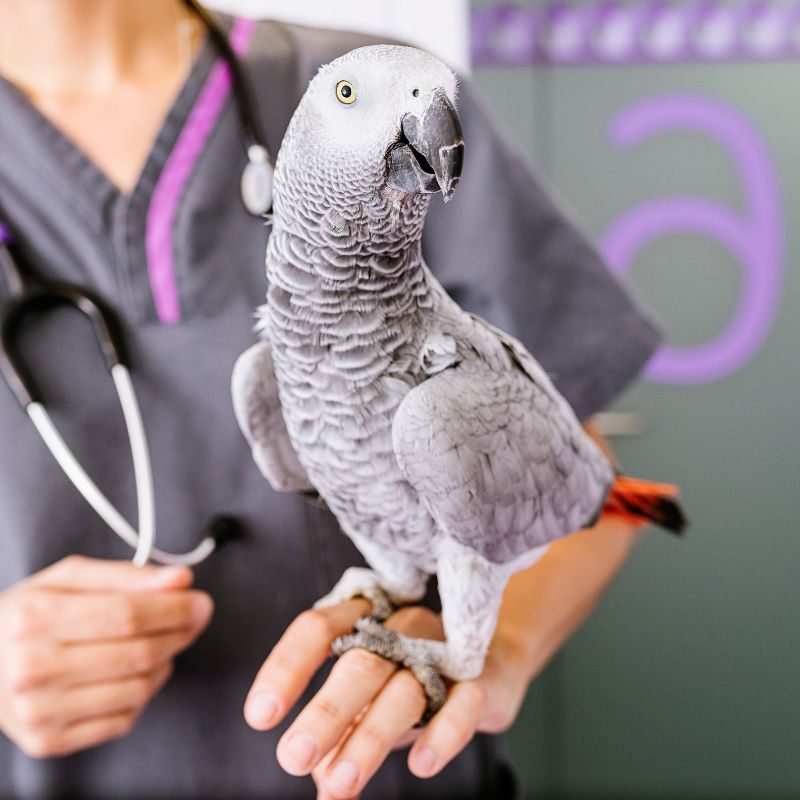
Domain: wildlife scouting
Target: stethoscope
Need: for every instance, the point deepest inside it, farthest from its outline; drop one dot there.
(30, 294)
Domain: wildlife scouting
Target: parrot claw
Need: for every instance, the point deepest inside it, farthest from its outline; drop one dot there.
(382, 606)
(360, 582)
(413, 654)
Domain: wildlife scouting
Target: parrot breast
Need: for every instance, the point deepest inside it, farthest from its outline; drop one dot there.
(346, 350)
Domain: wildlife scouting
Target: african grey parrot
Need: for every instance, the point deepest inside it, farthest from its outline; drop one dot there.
(436, 439)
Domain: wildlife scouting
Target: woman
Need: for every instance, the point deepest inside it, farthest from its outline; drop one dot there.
(120, 158)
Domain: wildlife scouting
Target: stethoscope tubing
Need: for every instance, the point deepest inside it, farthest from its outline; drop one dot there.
(143, 541)
(30, 295)
(35, 296)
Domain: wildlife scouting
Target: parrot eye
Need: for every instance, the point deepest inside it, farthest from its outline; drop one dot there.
(345, 93)
(415, 92)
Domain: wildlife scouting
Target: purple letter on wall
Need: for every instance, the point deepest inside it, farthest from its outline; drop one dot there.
(755, 237)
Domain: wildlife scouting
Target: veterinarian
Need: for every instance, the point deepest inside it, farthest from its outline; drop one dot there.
(133, 145)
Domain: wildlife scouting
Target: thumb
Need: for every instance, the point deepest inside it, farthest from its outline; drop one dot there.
(94, 575)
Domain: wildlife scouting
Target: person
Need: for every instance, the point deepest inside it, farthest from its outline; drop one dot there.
(117, 681)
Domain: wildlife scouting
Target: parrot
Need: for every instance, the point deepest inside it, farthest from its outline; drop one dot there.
(437, 440)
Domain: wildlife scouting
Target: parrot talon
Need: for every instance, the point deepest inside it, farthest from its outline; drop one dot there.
(382, 606)
(360, 582)
(372, 635)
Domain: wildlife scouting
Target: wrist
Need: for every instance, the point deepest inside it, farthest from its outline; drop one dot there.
(513, 648)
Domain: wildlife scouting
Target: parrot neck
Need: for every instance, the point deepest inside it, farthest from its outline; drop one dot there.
(327, 292)
(340, 220)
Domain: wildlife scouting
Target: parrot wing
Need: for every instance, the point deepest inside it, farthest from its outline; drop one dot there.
(258, 411)
(497, 454)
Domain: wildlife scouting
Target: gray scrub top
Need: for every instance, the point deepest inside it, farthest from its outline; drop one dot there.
(182, 262)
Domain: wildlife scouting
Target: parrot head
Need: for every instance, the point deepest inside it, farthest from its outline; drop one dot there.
(380, 119)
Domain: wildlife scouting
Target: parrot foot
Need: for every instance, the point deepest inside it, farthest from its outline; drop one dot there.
(360, 582)
(417, 655)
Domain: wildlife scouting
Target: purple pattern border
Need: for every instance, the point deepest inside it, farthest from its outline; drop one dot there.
(642, 32)
(176, 173)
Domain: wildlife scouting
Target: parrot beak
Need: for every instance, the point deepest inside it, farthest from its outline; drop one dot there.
(429, 155)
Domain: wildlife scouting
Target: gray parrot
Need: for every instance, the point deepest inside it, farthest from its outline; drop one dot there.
(437, 440)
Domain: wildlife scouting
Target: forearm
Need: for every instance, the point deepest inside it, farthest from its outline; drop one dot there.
(545, 604)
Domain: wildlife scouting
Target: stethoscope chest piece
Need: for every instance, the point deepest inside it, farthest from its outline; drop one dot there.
(257, 179)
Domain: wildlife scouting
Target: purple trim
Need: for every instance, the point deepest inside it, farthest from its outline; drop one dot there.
(5, 235)
(639, 32)
(176, 173)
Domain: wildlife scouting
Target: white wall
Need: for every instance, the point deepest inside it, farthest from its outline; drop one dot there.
(439, 26)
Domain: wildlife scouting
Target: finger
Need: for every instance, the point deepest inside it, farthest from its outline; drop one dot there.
(102, 616)
(321, 768)
(83, 703)
(94, 616)
(59, 709)
(294, 660)
(393, 712)
(95, 575)
(450, 730)
(84, 664)
(80, 736)
(407, 739)
(324, 794)
(356, 678)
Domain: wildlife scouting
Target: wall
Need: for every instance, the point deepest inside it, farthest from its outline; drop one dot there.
(440, 27)
(686, 168)
(679, 151)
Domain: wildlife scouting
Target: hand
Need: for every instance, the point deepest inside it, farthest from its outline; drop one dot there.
(85, 645)
(368, 707)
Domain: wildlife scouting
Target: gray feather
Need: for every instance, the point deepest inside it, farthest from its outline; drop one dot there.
(497, 455)
(260, 416)
(437, 440)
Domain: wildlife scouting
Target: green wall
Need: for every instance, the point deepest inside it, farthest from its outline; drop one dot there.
(684, 684)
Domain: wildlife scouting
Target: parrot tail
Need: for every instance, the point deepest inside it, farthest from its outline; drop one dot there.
(642, 499)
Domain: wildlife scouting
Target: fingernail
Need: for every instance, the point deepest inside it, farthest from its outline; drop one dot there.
(345, 776)
(202, 608)
(173, 574)
(300, 749)
(260, 710)
(425, 761)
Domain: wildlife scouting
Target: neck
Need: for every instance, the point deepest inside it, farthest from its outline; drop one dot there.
(336, 297)
(79, 47)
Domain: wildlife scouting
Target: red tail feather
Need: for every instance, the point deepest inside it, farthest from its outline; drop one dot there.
(633, 497)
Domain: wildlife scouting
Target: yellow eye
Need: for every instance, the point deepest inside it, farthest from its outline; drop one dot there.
(345, 92)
